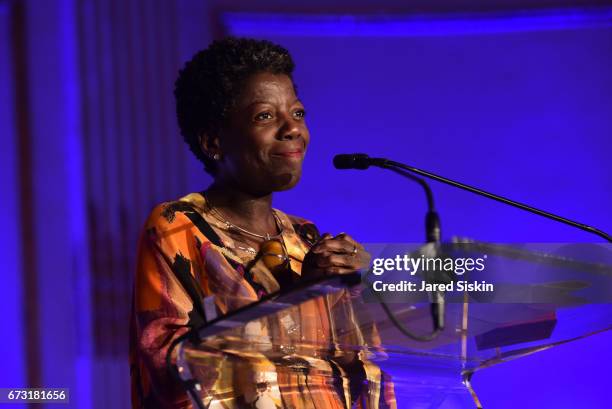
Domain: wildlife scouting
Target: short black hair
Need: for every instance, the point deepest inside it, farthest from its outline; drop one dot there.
(209, 84)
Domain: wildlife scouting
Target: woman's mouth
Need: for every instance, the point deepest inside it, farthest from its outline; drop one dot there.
(293, 154)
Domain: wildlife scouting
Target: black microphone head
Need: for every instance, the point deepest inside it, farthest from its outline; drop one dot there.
(352, 161)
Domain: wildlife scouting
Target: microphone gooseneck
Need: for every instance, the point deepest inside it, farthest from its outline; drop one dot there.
(388, 164)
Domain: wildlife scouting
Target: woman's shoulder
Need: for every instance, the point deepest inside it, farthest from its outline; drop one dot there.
(303, 227)
(173, 214)
(293, 219)
(297, 219)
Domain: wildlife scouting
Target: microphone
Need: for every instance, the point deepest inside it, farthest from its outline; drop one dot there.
(359, 161)
(364, 161)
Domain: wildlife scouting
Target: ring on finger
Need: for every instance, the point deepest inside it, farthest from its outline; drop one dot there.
(354, 252)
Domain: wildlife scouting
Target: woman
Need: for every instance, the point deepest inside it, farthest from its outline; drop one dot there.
(239, 113)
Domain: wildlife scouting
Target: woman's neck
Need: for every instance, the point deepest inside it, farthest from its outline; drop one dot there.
(253, 212)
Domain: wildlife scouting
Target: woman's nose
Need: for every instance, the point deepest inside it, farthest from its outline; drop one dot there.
(290, 130)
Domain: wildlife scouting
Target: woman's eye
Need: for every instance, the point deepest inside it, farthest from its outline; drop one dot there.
(299, 113)
(263, 116)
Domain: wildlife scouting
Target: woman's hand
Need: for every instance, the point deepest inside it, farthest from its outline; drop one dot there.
(335, 255)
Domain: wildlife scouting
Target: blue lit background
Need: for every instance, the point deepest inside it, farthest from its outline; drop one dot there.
(515, 101)
(517, 106)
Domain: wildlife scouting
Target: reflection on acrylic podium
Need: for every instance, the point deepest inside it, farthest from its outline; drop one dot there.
(332, 344)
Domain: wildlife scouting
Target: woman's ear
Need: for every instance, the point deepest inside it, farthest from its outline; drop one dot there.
(209, 144)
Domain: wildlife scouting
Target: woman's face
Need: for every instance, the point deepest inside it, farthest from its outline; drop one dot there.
(262, 146)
